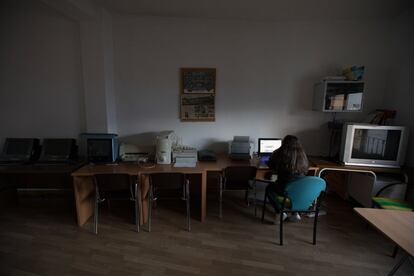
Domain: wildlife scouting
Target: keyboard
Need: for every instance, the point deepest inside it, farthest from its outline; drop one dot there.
(263, 160)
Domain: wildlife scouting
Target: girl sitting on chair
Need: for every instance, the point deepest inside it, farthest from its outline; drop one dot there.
(287, 162)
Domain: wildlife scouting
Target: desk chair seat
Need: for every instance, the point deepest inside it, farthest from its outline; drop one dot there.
(110, 187)
(237, 178)
(169, 186)
(383, 202)
(299, 196)
(392, 204)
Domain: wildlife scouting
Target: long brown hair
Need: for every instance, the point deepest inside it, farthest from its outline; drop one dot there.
(293, 158)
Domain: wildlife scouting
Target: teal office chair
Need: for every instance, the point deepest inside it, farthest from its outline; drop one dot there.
(300, 196)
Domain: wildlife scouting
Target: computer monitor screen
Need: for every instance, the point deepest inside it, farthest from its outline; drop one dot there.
(58, 148)
(18, 147)
(375, 144)
(268, 145)
(100, 150)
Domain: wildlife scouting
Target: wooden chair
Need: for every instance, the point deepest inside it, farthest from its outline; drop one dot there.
(237, 178)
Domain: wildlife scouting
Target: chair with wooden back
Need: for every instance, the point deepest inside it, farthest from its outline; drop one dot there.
(169, 186)
(237, 178)
(111, 187)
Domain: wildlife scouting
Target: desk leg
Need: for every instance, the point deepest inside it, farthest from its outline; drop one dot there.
(144, 182)
(203, 196)
(397, 266)
(84, 191)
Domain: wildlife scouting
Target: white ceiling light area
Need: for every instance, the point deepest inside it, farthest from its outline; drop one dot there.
(262, 10)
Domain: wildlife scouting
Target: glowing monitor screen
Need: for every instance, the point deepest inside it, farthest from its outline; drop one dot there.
(269, 145)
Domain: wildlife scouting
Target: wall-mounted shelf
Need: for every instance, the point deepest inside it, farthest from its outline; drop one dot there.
(338, 96)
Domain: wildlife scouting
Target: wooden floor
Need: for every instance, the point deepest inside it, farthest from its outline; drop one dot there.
(42, 238)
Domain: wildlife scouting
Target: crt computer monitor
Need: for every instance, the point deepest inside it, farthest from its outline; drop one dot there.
(101, 147)
(58, 150)
(266, 146)
(373, 145)
(19, 149)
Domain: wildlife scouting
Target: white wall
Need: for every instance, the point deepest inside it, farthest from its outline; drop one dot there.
(400, 90)
(97, 65)
(265, 74)
(40, 72)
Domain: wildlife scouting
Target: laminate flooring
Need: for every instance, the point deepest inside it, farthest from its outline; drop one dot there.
(40, 237)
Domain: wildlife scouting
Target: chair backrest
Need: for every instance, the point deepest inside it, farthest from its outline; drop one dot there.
(237, 177)
(167, 181)
(113, 182)
(303, 191)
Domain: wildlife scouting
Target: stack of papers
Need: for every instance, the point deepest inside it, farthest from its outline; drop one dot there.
(185, 164)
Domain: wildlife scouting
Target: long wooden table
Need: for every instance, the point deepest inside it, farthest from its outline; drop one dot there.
(34, 177)
(398, 226)
(84, 189)
(39, 176)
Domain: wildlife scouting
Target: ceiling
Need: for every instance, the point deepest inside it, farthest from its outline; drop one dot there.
(267, 10)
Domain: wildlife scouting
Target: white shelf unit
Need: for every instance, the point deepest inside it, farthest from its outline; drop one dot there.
(338, 96)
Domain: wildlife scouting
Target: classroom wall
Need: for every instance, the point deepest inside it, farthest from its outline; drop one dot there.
(40, 72)
(265, 75)
(400, 92)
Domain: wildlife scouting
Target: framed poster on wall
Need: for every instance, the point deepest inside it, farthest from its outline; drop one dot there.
(197, 107)
(198, 89)
(198, 80)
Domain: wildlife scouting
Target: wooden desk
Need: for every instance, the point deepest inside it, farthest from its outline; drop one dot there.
(323, 164)
(34, 177)
(39, 176)
(337, 181)
(398, 226)
(85, 190)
